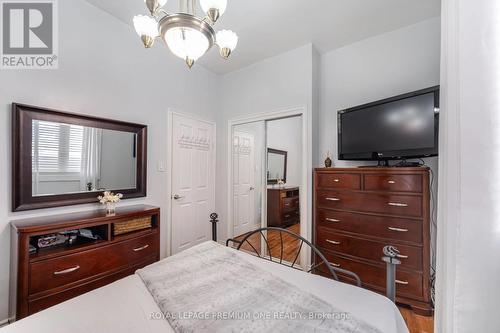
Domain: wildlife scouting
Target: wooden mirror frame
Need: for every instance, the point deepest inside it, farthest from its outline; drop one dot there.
(22, 119)
(278, 152)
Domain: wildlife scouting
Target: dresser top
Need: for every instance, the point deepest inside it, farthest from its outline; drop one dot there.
(73, 219)
(283, 188)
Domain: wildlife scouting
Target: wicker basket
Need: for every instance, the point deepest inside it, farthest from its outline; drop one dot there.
(141, 223)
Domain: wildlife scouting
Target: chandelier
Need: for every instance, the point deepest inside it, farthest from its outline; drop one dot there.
(187, 36)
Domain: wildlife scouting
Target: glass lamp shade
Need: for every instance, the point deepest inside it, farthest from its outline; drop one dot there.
(186, 43)
(227, 39)
(220, 5)
(154, 5)
(145, 26)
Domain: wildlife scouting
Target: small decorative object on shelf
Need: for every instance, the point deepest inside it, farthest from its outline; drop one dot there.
(328, 160)
(280, 183)
(110, 200)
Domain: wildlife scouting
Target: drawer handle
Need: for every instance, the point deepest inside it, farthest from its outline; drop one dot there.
(287, 216)
(331, 220)
(397, 204)
(332, 199)
(66, 271)
(397, 229)
(336, 180)
(335, 265)
(391, 182)
(402, 282)
(333, 242)
(141, 248)
(287, 204)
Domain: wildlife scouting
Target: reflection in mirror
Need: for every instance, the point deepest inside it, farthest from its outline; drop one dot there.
(72, 159)
(276, 165)
(248, 152)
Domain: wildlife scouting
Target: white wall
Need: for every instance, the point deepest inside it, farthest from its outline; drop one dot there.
(469, 221)
(118, 163)
(276, 83)
(391, 64)
(285, 134)
(103, 71)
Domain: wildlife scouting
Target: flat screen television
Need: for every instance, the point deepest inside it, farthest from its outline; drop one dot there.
(397, 128)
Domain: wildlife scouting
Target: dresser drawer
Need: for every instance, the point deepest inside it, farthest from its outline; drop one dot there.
(291, 204)
(395, 183)
(53, 273)
(403, 205)
(399, 229)
(374, 276)
(411, 256)
(38, 304)
(339, 180)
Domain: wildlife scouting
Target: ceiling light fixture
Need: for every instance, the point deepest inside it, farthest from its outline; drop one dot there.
(187, 36)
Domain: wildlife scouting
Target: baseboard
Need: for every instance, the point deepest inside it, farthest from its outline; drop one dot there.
(5, 322)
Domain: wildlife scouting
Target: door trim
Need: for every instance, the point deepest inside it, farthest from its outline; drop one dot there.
(170, 141)
(306, 189)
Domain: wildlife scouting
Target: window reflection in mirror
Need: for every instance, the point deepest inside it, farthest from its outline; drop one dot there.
(71, 159)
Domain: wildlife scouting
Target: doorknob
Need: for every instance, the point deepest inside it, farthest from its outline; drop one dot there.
(177, 197)
(252, 188)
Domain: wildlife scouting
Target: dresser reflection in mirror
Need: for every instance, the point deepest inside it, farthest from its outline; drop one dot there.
(283, 202)
(283, 206)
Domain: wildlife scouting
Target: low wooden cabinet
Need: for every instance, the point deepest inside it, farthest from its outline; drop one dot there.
(52, 275)
(283, 206)
(358, 211)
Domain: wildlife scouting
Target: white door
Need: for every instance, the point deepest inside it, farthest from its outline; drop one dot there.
(193, 181)
(243, 183)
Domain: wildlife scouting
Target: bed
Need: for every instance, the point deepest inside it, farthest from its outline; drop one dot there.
(128, 305)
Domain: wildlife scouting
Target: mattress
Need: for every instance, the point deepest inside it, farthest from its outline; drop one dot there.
(127, 306)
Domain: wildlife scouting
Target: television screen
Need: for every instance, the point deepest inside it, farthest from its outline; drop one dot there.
(400, 127)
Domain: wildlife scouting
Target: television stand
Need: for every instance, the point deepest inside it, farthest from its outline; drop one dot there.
(383, 163)
(401, 164)
(406, 164)
(380, 164)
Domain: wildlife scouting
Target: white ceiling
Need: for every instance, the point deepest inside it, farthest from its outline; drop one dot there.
(269, 27)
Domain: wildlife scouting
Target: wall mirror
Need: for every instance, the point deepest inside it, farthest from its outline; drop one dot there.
(276, 165)
(62, 159)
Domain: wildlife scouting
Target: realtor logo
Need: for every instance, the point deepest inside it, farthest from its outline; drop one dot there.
(29, 34)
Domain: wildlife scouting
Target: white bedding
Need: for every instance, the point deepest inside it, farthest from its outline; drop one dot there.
(126, 305)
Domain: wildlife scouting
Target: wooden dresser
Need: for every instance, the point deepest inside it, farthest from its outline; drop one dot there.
(358, 211)
(53, 275)
(283, 206)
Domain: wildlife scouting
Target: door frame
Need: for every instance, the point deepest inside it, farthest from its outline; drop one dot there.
(306, 182)
(169, 166)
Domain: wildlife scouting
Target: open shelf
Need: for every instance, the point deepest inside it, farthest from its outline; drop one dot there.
(78, 244)
(57, 250)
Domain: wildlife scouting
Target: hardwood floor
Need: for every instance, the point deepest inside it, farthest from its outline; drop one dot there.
(415, 323)
(290, 244)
